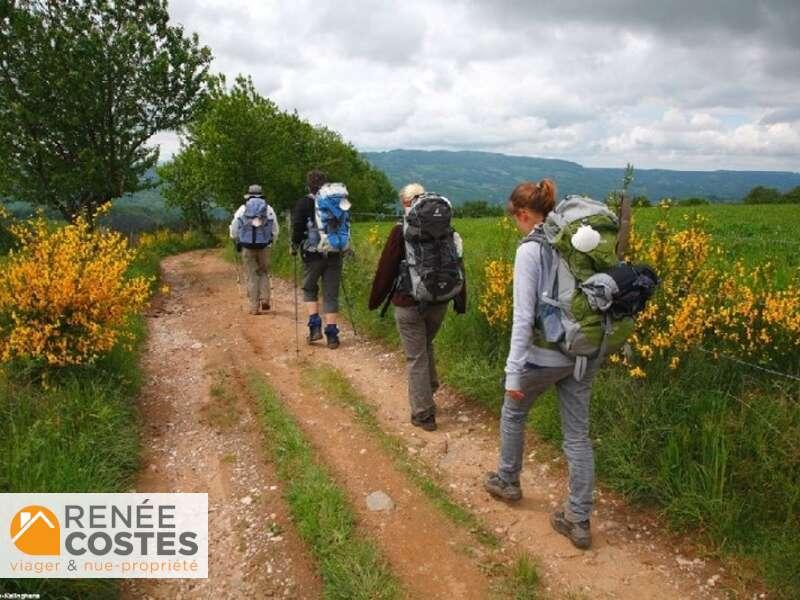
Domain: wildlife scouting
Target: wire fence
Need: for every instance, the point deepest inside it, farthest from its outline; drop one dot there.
(752, 365)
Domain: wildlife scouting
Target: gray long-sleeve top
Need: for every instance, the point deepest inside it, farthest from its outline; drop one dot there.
(527, 267)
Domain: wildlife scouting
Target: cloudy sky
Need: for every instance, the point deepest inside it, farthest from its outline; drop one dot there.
(687, 84)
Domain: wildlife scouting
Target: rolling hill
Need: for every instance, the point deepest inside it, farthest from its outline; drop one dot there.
(467, 175)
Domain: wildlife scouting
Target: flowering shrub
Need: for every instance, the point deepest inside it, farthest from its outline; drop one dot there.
(496, 299)
(701, 303)
(64, 297)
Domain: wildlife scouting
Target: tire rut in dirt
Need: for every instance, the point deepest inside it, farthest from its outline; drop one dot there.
(200, 435)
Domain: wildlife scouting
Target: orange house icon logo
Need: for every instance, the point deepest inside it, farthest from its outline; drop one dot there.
(35, 530)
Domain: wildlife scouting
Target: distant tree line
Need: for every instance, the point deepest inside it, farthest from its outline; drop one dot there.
(478, 208)
(765, 195)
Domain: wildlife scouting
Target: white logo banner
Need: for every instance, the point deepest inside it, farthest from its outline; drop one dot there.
(158, 536)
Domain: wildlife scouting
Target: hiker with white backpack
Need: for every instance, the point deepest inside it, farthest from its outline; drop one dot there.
(321, 234)
(420, 270)
(574, 303)
(254, 229)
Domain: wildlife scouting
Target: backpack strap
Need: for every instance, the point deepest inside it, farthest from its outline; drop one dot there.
(581, 362)
(388, 300)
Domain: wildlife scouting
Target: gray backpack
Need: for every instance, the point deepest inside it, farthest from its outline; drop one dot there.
(255, 226)
(431, 272)
(578, 251)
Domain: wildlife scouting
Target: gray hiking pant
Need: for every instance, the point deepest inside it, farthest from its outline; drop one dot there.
(417, 330)
(256, 276)
(329, 268)
(573, 398)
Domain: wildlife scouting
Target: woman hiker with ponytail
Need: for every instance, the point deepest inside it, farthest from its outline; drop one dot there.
(417, 325)
(532, 368)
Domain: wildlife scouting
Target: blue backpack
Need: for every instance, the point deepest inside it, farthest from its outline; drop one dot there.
(331, 232)
(255, 226)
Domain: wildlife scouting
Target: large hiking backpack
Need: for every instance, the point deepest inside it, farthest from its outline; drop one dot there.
(587, 297)
(431, 271)
(255, 227)
(330, 229)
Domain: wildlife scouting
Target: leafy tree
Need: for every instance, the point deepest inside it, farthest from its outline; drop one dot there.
(792, 196)
(641, 201)
(84, 84)
(762, 195)
(241, 137)
(187, 190)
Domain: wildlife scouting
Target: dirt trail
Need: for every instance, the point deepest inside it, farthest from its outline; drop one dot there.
(631, 557)
(198, 439)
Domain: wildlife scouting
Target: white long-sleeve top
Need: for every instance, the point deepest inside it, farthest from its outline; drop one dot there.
(233, 229)
(527, 266)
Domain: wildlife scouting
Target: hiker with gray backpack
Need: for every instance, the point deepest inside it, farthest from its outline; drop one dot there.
(321, 234)
(254, 229)
(420, 270)
(574, 304)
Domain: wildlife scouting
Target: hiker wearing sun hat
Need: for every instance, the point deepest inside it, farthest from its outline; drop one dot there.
(254, 229)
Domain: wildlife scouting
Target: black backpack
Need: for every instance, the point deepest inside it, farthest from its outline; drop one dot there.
(431, 272)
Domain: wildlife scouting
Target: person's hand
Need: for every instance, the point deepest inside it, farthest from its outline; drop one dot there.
(516, 395)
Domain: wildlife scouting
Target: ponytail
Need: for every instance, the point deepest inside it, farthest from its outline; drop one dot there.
(538, 197)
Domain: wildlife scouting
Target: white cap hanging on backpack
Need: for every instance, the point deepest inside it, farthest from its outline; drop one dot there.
(585, 239)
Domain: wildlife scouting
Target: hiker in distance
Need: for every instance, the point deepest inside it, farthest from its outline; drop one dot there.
(254, 229)
(420, 270)
(321, 233)
(574, 302)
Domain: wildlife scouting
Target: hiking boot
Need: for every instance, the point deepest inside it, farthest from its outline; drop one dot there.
(580, 534)
(500, 488)
(314, 333)
(265, 306)
(314, 328)
(428, 423)
(332, 335)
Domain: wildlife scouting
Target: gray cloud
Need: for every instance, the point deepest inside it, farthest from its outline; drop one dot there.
(783, 115)
(685, 84)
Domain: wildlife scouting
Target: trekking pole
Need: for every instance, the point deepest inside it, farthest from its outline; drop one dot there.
(293, 251)
(239, 270)
(347, 303)
(296, 318)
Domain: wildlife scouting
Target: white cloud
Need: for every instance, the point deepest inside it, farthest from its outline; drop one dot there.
(684, 84)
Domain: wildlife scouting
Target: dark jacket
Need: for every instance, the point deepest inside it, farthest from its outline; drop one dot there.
(394, 252)
(303, 211)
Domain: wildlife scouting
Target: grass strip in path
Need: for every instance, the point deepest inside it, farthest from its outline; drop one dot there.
(351, 567)
(520, 580)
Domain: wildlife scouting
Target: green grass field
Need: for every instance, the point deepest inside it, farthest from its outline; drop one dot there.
(715, 445)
